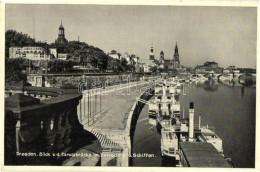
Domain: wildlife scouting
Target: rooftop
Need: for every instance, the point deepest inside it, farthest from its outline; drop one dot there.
(200, 154)
(211, 62)
(38, 44)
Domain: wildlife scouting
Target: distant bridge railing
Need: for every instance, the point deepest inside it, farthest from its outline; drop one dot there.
(38, 91)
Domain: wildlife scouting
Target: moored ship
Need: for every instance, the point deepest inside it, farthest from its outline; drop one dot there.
(181, 140)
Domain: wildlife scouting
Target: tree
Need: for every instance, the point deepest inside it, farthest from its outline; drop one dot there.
(132, 67)
(14, 38)
(15, 70)
(124, 64)
(84, 54)
(113, 51)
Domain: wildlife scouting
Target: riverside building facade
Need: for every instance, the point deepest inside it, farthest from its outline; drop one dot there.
(28, 52)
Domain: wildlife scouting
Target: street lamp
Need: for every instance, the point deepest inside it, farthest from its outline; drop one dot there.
(46, 64)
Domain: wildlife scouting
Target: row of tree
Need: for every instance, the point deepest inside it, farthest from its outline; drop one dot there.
(90, 56)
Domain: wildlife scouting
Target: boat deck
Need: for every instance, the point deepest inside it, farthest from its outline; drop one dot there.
(201, 154)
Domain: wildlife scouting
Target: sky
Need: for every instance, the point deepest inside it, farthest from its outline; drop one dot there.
(226, 35)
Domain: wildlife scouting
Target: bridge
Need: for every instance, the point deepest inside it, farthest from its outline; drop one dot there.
(225, 76)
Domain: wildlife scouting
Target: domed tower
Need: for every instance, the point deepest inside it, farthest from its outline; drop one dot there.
(61, 31)
(151, 56)
(176, 60)
(61, 35)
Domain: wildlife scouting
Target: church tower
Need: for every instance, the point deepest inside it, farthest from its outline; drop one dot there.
(176, 60)
(61, 35)
(151, 56)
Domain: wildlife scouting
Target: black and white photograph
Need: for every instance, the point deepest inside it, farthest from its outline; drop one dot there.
(129, 85)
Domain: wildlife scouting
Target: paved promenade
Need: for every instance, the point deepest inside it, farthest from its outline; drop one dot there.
(107, 114)
(110, 110)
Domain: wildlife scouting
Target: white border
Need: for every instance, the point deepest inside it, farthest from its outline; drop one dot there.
(121, 2)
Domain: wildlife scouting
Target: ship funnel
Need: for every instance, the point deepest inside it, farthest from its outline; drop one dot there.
(191, 122)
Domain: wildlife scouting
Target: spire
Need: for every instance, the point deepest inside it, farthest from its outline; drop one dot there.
(176, 49)
(61, 27)
(61, 34)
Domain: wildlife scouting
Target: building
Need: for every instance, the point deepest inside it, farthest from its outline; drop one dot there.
(147, 65)
(151, 55)
(146, 68)
(114, 54)
(134, 59)
(61, 35)
(169, 64)
(53, 52)
(209, 67)
(139, 67)
(32, 52)
(62, 56)
(127, 57)
(161, 60)
(176, 60)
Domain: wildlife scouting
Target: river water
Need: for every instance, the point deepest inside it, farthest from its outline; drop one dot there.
(230, 109)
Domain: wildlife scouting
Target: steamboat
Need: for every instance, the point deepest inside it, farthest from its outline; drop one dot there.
(188, 144)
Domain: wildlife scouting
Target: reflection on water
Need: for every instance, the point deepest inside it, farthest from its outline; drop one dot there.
(229, 107)
(242, 92)
(209, 85)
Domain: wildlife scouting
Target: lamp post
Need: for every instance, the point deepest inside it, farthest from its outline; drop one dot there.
(46, 64)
